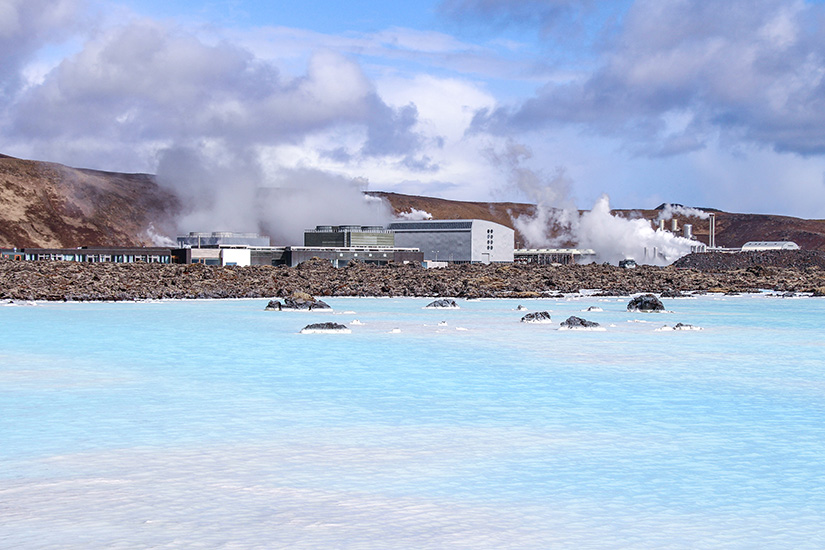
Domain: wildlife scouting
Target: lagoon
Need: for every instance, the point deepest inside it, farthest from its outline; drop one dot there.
(215, 424)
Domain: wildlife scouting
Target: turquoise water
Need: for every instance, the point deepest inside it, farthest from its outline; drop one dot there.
(215, 424)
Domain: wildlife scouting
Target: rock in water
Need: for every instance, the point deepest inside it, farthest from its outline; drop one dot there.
(325, 327)
(578, 322)
(645, 302)
(537, 317)
(442, 304)
(297, 301)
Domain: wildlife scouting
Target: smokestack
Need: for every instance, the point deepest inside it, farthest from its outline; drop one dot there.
(674, 225)
(712, 232)
(687, 231)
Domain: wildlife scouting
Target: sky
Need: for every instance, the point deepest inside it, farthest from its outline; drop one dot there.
(556, 102)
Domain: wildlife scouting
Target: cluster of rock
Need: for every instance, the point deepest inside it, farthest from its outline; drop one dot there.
(315, 328)
(442, 304)
(537, 317)
(578, 323)
(77, 281)
(781, 259)
(298, 301)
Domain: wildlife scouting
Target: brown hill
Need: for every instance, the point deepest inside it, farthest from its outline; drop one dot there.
(732, 230)
(44, 204)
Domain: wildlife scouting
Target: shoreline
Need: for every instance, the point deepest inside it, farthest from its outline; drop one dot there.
(82, 282)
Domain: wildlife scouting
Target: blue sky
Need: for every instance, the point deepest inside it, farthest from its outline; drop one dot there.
(716, 104)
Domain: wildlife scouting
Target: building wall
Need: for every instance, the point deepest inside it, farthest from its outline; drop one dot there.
(324, 239)
(100, 255)
(492, 242)
(358, 238)
(197, 240)
(452, 246)
(462, 241)
(342, 257)
(236, 256)
(335, 237)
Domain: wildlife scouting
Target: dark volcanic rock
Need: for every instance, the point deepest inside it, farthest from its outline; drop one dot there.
(332, 327)
(73, 281)
(578, 322)
(537, 317)
(442, 304)
(303, 301)
(670, 293)
(645, 302)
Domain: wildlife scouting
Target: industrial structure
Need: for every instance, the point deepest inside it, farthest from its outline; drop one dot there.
(759, 246)
(222, 238)
(551, 256)
(457, 241)
(345, 236)
(152, 255)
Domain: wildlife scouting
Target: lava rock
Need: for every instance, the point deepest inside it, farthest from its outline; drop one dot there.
(671, 293)
(537, 317)
(645, 302)
(578, 322)
(302, 301)
(325, 327)
(442, 304)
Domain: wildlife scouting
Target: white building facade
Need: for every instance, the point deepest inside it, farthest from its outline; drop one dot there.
(457, 241)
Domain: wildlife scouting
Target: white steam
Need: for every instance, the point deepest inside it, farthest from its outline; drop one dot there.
(226, 190)
(672, 210)
(414, 215)
(556, 221)
(614, 238)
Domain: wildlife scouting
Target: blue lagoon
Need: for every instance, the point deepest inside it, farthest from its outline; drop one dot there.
(215, 424)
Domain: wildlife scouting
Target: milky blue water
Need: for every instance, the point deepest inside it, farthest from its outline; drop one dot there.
(215, 424)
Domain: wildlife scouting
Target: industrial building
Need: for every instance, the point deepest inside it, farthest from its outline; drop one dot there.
(346, 236)
(152, 255)
(294, 255)
(549, 256)
(222, 238)
(456, 241)
(759, 246)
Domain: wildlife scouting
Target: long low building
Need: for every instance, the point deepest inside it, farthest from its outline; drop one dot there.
(294, 255)
(547, 256)
(153, 255)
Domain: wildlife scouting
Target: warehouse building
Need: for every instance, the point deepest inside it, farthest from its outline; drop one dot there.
(457, 241)
(346, 236)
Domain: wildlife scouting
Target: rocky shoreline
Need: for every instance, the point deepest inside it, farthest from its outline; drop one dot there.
(67, 281)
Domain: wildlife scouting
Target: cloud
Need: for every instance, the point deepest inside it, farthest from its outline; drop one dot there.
(25, 27)
(682, 72)
(149, 83)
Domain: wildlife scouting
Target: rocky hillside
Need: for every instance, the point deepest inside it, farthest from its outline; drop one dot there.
(43, 204)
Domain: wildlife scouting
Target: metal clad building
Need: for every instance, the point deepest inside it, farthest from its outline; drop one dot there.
(457, 241)
(756, 246)
(346, 236)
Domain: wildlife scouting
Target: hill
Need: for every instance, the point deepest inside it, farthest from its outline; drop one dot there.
(732, 230)
(44, 204)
